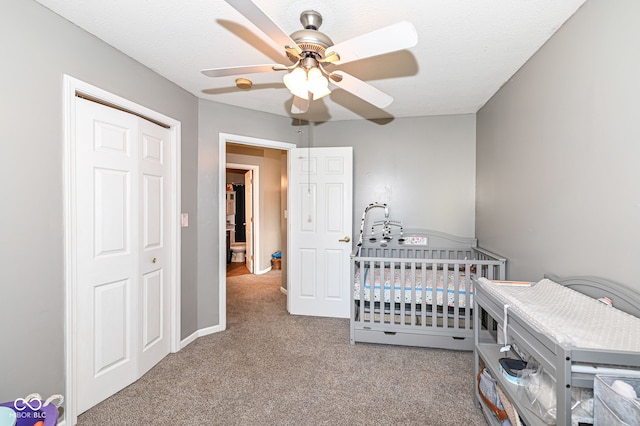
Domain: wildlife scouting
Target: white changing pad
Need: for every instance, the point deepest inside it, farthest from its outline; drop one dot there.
(570, 317)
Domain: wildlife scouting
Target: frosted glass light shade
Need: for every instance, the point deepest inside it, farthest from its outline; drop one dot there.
(301, 82)
(296, 82)
(318, 84)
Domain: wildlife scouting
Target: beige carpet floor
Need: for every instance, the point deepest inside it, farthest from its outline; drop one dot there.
(271, 368)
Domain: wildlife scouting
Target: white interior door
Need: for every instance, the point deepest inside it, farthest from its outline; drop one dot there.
(248, 218)
(320, 229)
(107, 247)
(155, 248)
(121, 226)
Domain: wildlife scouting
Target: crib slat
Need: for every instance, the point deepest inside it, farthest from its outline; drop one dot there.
(434, 294)
(363, 283)
(413, 293)
(392, 292)
(423, 298)
(456, 295)
(372, 299)
(403, 292)
(445, 295)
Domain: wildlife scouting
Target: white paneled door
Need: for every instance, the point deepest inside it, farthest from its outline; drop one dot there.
(320, 228)
(122, 166)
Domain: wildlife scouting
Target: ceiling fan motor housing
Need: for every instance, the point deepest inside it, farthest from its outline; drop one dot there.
(312, 42)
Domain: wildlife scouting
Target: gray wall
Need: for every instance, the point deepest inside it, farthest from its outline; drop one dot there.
(423, 167)
(558, 153)
(38, 47)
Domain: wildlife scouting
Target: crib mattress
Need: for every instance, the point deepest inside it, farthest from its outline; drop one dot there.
(445, 294)
(570, 317)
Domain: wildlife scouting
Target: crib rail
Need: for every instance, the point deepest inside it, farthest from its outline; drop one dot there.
(419, 290)
(488, 264)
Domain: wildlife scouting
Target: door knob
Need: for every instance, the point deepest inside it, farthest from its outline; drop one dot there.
(154, 260)
(345, 239)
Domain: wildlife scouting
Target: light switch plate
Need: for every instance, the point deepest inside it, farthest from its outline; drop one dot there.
(184, 219)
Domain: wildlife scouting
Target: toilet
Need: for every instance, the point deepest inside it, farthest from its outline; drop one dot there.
(237, 252)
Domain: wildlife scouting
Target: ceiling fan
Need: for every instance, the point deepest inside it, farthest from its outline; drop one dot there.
(310, 50)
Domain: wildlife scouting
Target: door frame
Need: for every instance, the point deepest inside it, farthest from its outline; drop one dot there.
(223, 138)
(71, 86)
(255, 200)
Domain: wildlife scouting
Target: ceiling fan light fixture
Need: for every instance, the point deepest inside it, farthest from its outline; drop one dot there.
(301, 82)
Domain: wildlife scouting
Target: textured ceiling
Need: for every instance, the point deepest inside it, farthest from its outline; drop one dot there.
(467, 49)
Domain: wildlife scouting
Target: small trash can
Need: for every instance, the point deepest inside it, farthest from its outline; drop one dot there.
(276, 260)
(613, 400)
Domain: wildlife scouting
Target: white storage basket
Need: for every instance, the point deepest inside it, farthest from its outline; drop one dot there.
(612, 408)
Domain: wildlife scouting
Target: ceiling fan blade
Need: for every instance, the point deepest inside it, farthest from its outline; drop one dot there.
(249, 69)
(401, 35)
(256, 15)
(362, 90)
(299, 105)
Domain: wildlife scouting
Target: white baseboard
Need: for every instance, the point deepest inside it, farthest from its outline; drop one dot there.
(264, 271)
(199, 333)
(284, 290)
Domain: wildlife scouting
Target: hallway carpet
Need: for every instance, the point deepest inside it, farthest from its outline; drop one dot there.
(272, 368)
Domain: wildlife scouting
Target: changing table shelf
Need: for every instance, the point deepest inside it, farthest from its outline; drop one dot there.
(490, 353)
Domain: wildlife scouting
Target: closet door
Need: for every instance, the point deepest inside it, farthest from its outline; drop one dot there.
(121, 226)
(154, 236)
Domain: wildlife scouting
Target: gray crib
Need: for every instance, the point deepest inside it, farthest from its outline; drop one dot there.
(416, 289)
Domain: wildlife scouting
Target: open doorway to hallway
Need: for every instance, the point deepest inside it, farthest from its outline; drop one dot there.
(272, 159)
(256, 177)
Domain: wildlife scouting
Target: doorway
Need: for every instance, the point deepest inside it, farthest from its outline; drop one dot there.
(243, 217)
(267, 166)
(261, 264)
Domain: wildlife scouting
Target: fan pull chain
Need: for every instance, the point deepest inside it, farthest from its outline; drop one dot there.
(300, 140)
(309, 200)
